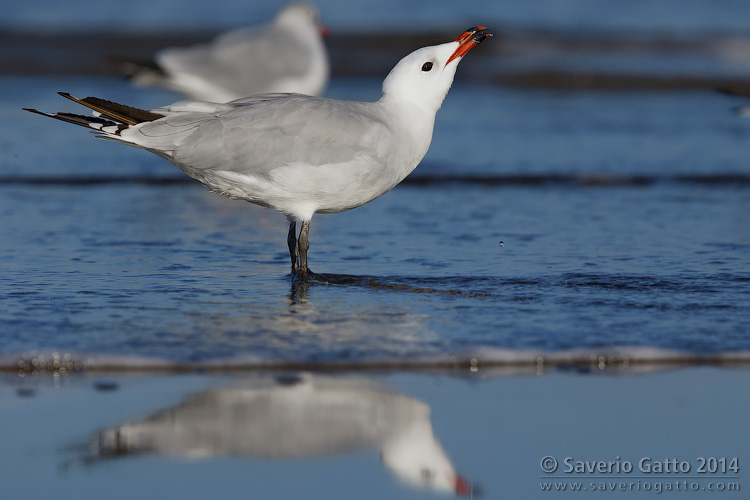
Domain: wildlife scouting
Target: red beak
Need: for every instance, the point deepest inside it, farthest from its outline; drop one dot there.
(468, 39)
(463, 487)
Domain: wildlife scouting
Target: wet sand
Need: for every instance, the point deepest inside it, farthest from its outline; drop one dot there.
(262, 435)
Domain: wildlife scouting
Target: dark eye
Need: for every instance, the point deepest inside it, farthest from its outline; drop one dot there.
(427, 66)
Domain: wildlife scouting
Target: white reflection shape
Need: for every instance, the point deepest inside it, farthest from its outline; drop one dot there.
(296, 416)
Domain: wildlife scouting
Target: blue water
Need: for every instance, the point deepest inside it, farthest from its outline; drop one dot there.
(669, 16)
(548, 235)
(194, 436)
(539, 221)
(622, 217)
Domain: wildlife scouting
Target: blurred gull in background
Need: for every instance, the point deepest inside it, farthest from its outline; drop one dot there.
(286, 55)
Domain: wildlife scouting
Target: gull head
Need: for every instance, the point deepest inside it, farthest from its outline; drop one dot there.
(299, 15)
(425, 466)
(415, 456)
(424, 77)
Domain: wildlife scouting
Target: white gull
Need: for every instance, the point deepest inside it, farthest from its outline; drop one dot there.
(286, 55)
(298, 154)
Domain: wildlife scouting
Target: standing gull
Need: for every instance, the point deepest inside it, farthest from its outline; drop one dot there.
(298, 154)
(286, 55)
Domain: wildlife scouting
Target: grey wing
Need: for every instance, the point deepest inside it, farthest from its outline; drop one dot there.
(245, 61)
(277, 49)
(184, 60)
(257, 137)
(181, 120)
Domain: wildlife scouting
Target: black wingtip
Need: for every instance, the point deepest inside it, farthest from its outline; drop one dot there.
(36, 111)
(742, 91)
(68, 96)
(131, 68)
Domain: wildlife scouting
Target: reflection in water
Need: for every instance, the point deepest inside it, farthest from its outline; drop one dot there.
(294, 416)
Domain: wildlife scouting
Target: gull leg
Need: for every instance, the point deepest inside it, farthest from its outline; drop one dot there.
(302, 246)
(291, 240)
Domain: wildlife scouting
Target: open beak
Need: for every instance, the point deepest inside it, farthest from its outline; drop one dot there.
(468, 39)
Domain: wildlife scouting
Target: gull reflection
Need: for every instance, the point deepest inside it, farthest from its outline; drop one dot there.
(295, 416)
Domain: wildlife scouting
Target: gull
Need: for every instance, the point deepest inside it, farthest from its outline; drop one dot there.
(294, 416)
(297, 154)
(286, 55)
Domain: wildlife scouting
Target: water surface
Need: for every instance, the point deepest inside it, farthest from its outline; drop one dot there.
(553, 233)
(621, 217)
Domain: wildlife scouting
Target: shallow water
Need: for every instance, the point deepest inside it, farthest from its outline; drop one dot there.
(301, 435)
(622, 217)
(548, 237)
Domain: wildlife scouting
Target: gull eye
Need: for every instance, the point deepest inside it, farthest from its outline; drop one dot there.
(427, 66)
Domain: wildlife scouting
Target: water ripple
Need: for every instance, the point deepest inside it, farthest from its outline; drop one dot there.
(425, 180)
